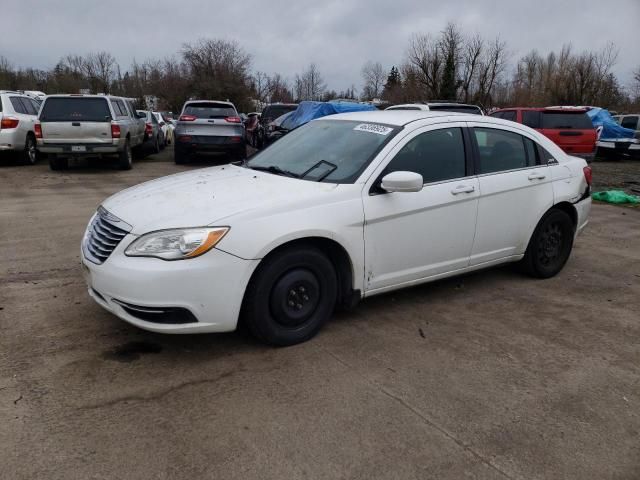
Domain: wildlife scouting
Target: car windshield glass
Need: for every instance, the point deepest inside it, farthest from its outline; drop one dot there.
(456, 109)
(209, 110)
(315, 148)
(555, 120)
(275, 111)
(69, 109)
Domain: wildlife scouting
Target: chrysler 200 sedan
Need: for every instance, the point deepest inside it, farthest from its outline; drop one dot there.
(343, 208)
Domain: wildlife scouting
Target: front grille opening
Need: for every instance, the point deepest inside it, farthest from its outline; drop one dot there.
(98, 294)
(164, 315)
(102, 238)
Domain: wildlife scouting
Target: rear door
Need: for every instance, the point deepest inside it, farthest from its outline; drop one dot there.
(570, 130)
(211, 119)
(76, 120)
(515, 190)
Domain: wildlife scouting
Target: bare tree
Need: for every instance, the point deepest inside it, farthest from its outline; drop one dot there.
(426, 62)
(310, 85)
(279, 90)
(471, 56)
(218, 69)
(260, 84)
(374, 77)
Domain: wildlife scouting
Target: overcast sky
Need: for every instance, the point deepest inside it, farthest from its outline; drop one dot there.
(285, 36)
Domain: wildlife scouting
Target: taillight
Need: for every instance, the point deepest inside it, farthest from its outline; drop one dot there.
(233, 119)
(187, 118)
(588, 176)
(9, 122)
(148, 129)
(115, 130)
(236, 139)
(38, 129)
(184, 138)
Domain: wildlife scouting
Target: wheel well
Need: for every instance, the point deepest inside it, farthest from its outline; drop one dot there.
(570, 210)
(338, 256)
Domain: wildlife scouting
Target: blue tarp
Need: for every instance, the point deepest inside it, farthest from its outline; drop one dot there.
(308, 111)
(608, 128)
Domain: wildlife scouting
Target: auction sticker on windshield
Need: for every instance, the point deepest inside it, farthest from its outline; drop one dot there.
(373, 128)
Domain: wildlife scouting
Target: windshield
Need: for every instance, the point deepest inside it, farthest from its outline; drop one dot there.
(556, 120)
(332, 151)
(70, 109)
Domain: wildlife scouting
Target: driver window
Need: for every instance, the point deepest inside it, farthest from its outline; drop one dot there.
(437, 155)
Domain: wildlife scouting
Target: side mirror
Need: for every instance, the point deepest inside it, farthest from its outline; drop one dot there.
(402, 182)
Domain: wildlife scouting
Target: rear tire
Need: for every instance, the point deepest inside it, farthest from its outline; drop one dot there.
(550, 245)
(57, 163)
(290, 296)
(125, 157)
(30, 150)
(179, 155)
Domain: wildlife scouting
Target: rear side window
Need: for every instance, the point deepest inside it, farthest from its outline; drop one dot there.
(532, 152)
(75, 109)
(531, 118)
(209, 110)
(18, 106)
(630, 121)
(500, 150)
(36, 105)
(437, 155)
(497, 115)
(510, 115)
(119, 109)
(568, 120)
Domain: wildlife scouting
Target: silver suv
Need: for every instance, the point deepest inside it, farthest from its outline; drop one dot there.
(18, 115)
(88, 126)
(209, 126)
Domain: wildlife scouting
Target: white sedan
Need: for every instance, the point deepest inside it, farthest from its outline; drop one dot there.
(343, 208)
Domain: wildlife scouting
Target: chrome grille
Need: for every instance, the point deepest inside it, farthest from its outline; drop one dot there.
(103, 235)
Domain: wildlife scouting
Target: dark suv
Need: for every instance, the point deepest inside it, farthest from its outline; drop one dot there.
(569, 128)
(265, 129)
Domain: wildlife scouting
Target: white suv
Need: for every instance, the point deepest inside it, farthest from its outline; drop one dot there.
(18, 115)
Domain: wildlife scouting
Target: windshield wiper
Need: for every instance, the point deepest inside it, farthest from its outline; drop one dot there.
(274, 169)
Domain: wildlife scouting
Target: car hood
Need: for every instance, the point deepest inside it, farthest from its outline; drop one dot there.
(209, 196)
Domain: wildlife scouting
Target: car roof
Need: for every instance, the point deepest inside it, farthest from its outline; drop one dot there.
(399, 117)
(545, 109)
(211, 101)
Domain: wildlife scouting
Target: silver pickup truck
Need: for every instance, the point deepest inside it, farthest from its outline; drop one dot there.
(88, 126)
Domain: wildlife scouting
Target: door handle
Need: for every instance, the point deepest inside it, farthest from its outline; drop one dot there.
(537, 176)
(463, 189)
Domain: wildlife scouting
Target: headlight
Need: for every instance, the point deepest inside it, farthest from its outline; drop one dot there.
(176, 244)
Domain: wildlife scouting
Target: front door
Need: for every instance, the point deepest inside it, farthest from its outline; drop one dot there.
(411, 236)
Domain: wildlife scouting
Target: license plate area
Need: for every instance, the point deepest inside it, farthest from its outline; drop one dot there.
(78, 148)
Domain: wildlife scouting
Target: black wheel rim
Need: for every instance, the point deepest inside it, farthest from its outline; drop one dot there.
(31, 150)
(551, 244)
(295, 297)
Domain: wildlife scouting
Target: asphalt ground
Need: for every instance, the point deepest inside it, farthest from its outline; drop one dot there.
(491, 375)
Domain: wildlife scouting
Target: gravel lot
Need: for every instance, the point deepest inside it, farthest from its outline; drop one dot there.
(493, 375)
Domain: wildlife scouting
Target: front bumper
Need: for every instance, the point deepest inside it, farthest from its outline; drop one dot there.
(210, 287)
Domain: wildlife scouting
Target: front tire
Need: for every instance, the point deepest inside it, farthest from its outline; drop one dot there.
(290, 296)
(550, 245)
